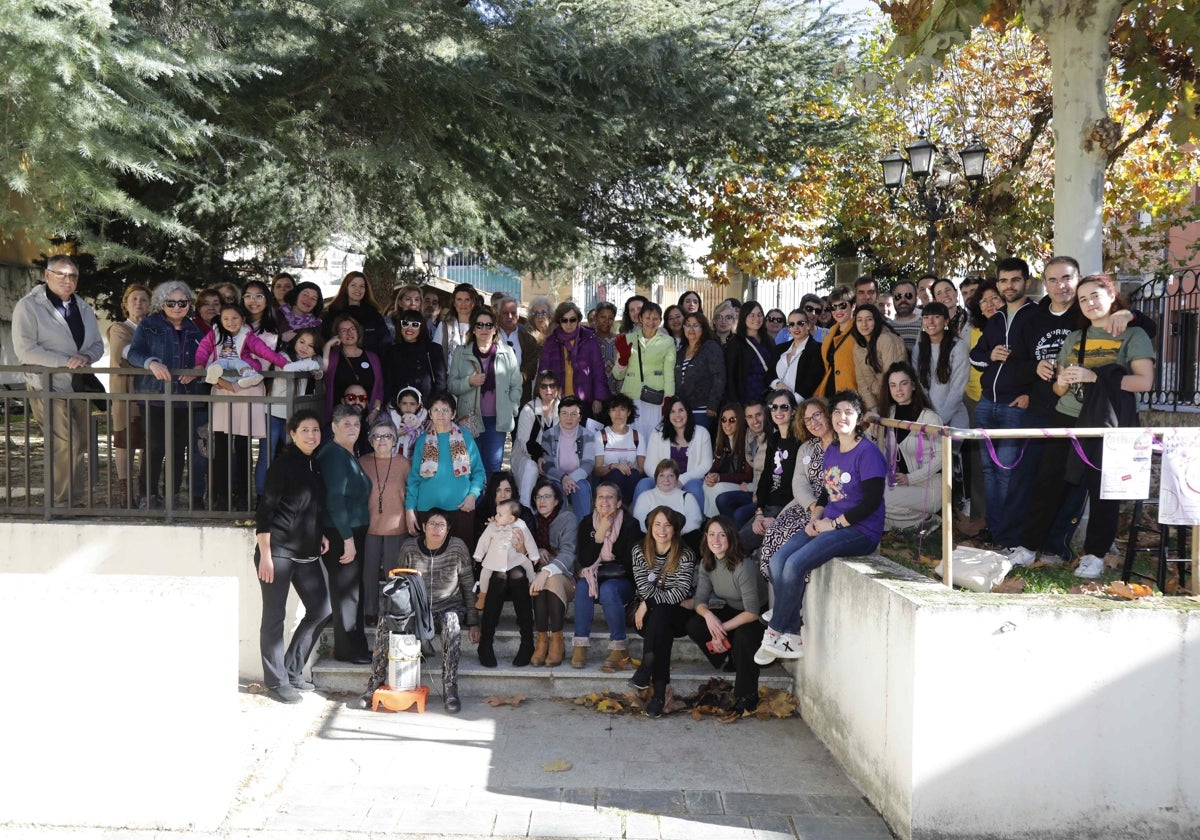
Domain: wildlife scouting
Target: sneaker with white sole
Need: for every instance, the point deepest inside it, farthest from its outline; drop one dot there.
(764, 655)
(1090, 566)
(766, 617)
(250, 379)
(788, 646)
(212, 374)
(1052, 559)
(1019, 555)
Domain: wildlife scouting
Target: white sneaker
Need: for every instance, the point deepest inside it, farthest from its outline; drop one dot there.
(1052, 559)
(788, 646)
(1019, 555)
(1090, 566)
(765, 655)
(212, 374)
(766, 617)
(251, 379)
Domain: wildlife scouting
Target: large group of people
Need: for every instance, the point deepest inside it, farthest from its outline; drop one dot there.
(685, 472)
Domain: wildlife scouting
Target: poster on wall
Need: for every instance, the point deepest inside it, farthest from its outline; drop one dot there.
(1125, 470)
(1179, 492)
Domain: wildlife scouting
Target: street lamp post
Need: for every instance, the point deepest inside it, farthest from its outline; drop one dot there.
(934, 185)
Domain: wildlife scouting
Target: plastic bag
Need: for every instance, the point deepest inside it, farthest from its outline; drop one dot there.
(977, 569)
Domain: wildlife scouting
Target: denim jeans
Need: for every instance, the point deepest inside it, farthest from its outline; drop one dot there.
(491, 446)
(615, 593)
(996, 479)
(581, 500)
(799, 556)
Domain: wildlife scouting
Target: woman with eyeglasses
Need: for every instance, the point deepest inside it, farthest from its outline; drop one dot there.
(837, 350)
(537, 415)
(913, 491)
(847, 521)
(876, 348)
(799, 368)
(725, 318)
(414, 360)
(700, 370)
(346, 518)
(816, 436)
(553, 587)
(749, 356)
(388, 526)
(447, 472)
(774, 489)
(572, 352)
(540, 321)
(348, 363)
(486, 377)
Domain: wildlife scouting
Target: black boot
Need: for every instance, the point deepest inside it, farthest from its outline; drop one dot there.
(654, 709)
(489, 620)
(450, 694)
(523, 608)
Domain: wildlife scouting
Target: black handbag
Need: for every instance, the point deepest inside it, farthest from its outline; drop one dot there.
(648, 395)
(89, 383)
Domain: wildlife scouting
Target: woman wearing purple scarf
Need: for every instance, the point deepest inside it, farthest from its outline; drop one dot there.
(573, 353)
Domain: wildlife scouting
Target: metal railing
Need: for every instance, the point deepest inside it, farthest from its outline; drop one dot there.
(949, 434)
(1173, 302)
(59, 453)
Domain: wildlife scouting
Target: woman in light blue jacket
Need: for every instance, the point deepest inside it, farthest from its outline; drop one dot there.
(485, 376)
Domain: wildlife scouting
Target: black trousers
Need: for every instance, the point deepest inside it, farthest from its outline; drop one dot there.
(279, 666)
(744, 641)
(345, 595)
(663, 624)
(156, 446)
(230, 459)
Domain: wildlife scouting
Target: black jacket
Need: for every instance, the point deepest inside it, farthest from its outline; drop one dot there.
(420, 365)
(587, 550)
(809, 371)
(1105, 406)
(292, 505)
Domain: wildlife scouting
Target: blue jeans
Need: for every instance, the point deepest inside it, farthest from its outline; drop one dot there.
(801, 555)
(739, 505)
(268, 448)
(996, 479)
(198, 465)
(694, 487)
(615, 593)
(581, 500)
(491, 446)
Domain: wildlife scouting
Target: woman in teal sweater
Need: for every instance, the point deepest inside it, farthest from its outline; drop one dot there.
(347, 489)
(447, 473)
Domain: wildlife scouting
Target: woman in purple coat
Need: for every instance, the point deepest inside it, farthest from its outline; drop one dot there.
(573, 353)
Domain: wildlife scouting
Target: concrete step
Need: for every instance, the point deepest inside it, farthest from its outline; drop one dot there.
(474, 680)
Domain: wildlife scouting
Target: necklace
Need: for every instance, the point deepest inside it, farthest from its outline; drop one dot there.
(383, 485)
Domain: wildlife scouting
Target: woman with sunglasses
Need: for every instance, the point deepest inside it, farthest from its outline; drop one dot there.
(749, 356)
(414, 361)
(876, 348)
(730, 468)
(486, 377)
(799, 368)
(700, 370)
(572, 353)
(774, 489)
(847, 521)
(537, 415)
(775, 322)
(837, 350)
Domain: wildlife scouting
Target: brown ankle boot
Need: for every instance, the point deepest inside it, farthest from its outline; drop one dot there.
(579, 656)
(555, 656)
(539, 649)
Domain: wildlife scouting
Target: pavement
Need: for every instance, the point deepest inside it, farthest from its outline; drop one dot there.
(547, 769)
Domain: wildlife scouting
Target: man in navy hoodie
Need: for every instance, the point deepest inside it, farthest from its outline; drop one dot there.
(1005, 355)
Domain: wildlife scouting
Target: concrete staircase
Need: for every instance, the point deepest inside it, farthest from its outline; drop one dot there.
(689, 668)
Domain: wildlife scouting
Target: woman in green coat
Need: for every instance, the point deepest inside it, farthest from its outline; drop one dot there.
(486, 378)
(646, 369)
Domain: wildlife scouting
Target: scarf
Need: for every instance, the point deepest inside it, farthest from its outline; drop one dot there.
(541, 528)
(487, 365)
(300, 321)
(460, 459)
(606, 548)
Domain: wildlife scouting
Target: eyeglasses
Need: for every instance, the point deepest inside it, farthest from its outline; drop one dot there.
(992, 301)
(539, 313)
(903, 295)
(441, 409)
(792, 325)
(774, 319)
(781, 407)
(254, 296)
(436, 526)
(571, 320)
(383, 437)
(176, 304)
(355, 398)
(838, 307)
(814, 417)
(66, 275)
(484, 325)
(726, 317)
(410, 325)
(347, 331)
(544, 497)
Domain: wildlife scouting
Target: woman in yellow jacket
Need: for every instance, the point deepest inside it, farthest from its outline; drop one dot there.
(645, 367)
(837, 350)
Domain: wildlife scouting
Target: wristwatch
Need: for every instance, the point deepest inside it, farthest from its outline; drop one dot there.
(837, 523)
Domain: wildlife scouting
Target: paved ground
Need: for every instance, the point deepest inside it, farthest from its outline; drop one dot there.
(321, 770)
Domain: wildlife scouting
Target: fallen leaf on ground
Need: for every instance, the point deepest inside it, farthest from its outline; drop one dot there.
(610, 706)
(1089, 588)
(557, 766)
(256, 688)
(926, 560)
(496, 700)
(1129, 591)
(1010, 586)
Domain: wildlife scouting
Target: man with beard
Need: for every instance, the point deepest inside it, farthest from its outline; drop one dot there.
(907, 322)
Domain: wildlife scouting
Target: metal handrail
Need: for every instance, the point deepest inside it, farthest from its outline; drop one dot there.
(949, 434)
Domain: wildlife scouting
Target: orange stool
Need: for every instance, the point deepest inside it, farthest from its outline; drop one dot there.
(398, 701)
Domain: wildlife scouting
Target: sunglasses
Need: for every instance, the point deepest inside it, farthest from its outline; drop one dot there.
(571, 320)
(176, 304)
(781, 407)
(774, 319)
(355, 398)
(812, 310)
(484, 325)
(838, 307)
(728, 419)
(793, 325)
(904, 295)
(410, 325)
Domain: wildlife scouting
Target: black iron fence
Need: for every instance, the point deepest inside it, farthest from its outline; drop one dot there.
(1173, 302)
(133, 455)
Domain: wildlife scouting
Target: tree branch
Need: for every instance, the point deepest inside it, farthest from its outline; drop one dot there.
(1118, 150)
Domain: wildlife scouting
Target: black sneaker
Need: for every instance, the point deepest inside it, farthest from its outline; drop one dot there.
(303, 685)
(640, 678)
(745, 705)
(654, 709)
(285, 694)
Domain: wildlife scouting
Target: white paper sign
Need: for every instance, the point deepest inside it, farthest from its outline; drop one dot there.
(1125, 469)
(1179, 494)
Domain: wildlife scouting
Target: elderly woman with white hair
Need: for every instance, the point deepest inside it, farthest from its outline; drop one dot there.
(165, 342)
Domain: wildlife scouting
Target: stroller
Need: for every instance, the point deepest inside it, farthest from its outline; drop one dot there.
(405, 622)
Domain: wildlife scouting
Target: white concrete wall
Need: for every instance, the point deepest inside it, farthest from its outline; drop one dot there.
(966, 716)
(118, 708)
(65, 549)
